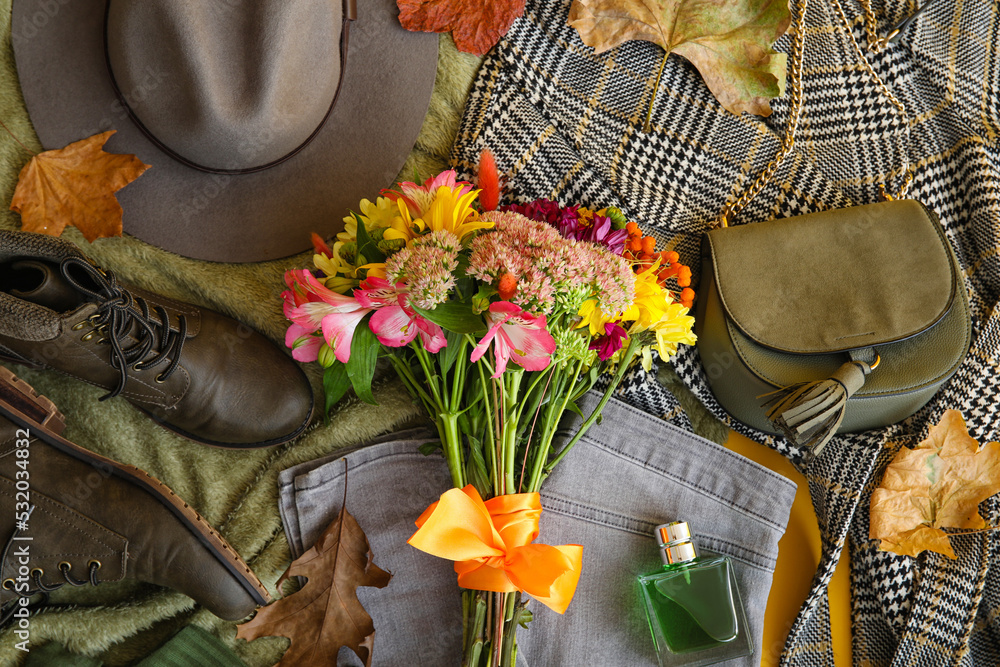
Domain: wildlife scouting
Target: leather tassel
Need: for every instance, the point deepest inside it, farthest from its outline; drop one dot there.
(809, 413)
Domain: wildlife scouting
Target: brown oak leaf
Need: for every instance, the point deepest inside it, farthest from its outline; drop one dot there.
(75, 185)
(476, 26)
(729, 41)
(938, 484)
(325, 614)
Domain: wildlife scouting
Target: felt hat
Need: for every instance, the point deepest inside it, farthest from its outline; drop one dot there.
(263, 120)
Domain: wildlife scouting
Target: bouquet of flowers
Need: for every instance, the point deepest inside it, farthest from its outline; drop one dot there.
(498, 321)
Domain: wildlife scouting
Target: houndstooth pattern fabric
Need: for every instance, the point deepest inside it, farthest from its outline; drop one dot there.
(566, 124)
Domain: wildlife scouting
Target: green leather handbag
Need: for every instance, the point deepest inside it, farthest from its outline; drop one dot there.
(838, 321)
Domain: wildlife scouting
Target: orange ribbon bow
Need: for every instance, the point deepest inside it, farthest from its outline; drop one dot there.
(490, 543)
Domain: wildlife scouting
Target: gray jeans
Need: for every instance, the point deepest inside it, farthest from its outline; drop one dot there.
(628, 474)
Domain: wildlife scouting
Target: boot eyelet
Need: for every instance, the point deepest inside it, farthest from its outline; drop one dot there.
(88, 336)
(8, 584)
(79, 325)
(65, 566)
(94, 563)
(160, 379)
(93, 318)
(136, 367)
(40, 571)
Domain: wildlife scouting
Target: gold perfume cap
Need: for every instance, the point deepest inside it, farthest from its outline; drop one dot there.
(675, 543)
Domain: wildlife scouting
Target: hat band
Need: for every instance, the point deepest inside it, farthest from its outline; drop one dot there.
(350, 14)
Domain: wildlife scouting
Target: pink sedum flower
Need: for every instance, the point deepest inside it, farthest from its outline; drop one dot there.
(313, 307)
(517, 336)
(427, 267)
(395, 323)
(546, 265)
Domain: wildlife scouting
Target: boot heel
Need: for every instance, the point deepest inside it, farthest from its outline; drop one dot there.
(20, 395)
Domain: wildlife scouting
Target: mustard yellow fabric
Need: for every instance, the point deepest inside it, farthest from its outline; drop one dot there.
(798, 556)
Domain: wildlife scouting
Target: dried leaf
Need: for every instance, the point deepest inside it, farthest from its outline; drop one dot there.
(938, 484)
(729, 41)
(325, 614)
(76, 186)
(476, 26)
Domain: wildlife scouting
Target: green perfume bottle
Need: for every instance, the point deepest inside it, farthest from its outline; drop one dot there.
(693, 604)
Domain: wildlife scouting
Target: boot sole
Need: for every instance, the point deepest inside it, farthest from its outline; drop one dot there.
(20, 403)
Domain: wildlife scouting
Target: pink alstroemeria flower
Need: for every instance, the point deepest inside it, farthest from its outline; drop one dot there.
(518, 336)
(304, 344)
(312, 306)
(395, 323)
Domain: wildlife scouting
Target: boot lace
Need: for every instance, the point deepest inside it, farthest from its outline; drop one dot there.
(8, 609)
(137, 340)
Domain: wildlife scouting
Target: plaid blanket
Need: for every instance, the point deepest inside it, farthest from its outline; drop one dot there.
(567, 125)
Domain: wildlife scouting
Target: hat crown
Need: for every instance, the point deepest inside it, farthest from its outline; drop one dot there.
(226, 84)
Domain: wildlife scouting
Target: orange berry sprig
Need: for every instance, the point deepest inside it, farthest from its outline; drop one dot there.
(641, 251)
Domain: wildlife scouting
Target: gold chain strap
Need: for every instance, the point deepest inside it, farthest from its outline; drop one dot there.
(876, 44)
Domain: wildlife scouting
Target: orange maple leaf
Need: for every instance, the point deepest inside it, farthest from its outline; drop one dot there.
(476, 26)
(938, 484)
(76, 186)
(325, 614)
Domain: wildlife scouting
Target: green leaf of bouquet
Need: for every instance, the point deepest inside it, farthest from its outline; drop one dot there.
(448, 356)
(575, 409)
(361, 365)
(335, 384)
(476, 468)
(366, 245)
(587, 384)
(429, 448)
(454, 316)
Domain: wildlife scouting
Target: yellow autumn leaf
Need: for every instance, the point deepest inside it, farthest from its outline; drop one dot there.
(729, 41)
(938, 484)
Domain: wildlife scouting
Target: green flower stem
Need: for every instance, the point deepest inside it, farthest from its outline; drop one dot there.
(477, 628)
(509, 644)
(431, 378)
(633, 345)
(500, 637)
(550, 426)
(491, 442)
(451, 443)
(412, 385)
(536, 408)
(530, 405)
(512, 385)
(459, 373)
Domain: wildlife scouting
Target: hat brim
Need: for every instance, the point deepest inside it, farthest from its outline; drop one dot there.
(59, 50)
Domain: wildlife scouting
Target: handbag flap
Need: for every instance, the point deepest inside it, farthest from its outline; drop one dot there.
(835, 280)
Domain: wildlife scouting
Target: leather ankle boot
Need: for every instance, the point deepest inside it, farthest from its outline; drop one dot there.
(198, 373)
(129, 525)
